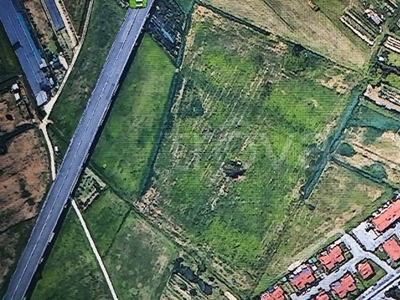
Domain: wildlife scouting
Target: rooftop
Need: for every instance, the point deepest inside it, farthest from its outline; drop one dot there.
(387, 217)
(392, 248)
(365, 270)
(331, 257)
(302, 278)
(276, 294)
(321, 296)
(344, 286)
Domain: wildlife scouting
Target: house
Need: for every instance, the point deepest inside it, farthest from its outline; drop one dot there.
(365, 270)
(302, 278)
(392, 248)
(344, 286)
(321, 296)
(276, 293)
(331, 257)
(374, 17)
(387, 217)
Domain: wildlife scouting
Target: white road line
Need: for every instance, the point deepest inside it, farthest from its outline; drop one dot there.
(94, 249)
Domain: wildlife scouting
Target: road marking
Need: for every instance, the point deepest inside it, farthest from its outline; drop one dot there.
(94, 249)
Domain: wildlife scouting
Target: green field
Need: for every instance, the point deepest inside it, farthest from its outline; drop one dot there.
(9, 65)
(341, 200)
(237, 105)
(128, 140)
(139, 261)
(185, 4)
(72, 101)
(104, 218)
(71, 271)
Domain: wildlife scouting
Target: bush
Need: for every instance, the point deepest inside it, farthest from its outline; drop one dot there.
(346, 149)
(376, 170)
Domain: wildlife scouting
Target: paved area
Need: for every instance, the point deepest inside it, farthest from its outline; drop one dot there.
(77, 152)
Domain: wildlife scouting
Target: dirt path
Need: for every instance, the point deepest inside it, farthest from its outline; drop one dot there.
(94, 249)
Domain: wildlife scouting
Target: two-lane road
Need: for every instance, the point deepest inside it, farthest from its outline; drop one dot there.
(78, 151)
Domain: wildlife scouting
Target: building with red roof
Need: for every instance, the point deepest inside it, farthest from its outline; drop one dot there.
(276, 294)
(301, 279)
(331, 257)
(387, 217)
(321, 296)
(365, 270)
(392, 248)
(344, 286)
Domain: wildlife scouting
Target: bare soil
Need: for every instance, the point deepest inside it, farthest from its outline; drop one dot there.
(11, 115)
(296, 21)
(24, 177)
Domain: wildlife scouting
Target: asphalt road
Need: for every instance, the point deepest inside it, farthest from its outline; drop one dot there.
(77, 152)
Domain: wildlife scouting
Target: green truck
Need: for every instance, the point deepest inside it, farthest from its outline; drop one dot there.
(137, 3)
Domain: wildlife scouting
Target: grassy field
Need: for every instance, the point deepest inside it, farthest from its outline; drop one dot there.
(296, 21)
(72, 101)
(104, 218)
(139, 261)
(76, 10)
(236, 104)
(9, 65)
(341, 200)
(127, 142)
(71, 271)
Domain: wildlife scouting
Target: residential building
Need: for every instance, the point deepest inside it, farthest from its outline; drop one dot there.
(389, 216)
(276, 293)
(392, 248)
(321, 296)
(365, 270)
(344, 286)
(331, 258)
(302, 278)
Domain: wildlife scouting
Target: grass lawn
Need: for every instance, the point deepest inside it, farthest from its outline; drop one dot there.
(128, 140)
(9, 65)
(104, 218)
(341, 199)
(393, 80)
(237, 105)
(71, 271)
(72, 101)
(139, 261)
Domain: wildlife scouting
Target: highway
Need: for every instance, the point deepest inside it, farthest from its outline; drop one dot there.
(78, 151)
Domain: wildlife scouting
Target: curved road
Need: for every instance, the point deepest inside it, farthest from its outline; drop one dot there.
(77, 152)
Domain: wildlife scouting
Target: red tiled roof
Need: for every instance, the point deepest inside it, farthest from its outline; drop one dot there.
(277, 294)
(365, 270)
(332, 257)
(387, 217)
(322, 296)
(301, 279)
(344, 286)
(392, 248)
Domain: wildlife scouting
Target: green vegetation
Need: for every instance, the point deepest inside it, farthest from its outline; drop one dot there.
(371, 116)
(185, 4)
(346, 149)
(139, 260)
(127, 144)
(77, 10)
(9, 65)
(104, 218)
(72, 101)
(340, 201)
(236, 105)
(376, 170)
(393, 80)
(394, 59)
(378, 274)
(71, 271)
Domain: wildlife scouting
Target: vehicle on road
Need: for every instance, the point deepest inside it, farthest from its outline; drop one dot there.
(137, 3)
